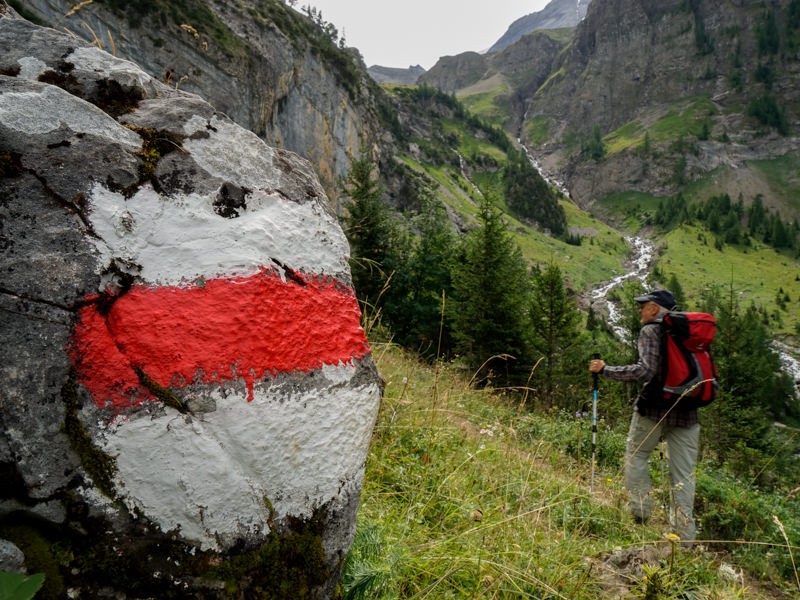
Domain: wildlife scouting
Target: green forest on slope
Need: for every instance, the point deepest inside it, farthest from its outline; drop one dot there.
(492, 309)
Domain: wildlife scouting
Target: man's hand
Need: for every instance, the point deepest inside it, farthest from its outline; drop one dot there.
(597, 365)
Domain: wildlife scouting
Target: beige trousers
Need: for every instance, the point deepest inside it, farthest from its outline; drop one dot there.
(682, 446)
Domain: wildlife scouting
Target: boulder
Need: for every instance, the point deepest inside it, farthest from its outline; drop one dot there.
(187, 394)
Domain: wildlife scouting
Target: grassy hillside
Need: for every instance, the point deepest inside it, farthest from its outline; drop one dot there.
(488, 98)
(468, 494)
(599, 257)
(462, 158)
(758, 273)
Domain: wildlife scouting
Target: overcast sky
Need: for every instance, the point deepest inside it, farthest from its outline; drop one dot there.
(402, 33)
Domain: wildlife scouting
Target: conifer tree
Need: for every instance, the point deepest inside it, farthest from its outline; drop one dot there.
(555, 327)
(529, 196)
(430, 281)
(674, 286)
(754, 391)
(378, 246)
(489, 309)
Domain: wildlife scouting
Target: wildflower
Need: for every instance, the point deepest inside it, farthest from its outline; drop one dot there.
(673, 537)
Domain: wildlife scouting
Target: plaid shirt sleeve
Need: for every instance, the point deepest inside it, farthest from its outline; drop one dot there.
(648, 364)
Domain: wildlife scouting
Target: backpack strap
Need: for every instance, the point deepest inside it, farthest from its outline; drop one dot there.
(650, 394)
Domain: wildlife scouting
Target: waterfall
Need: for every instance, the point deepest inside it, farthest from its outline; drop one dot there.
(461, 164)
(550, 181)
(790, 364)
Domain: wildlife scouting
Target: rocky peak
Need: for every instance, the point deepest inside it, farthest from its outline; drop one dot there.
(407, 76)
(557, 14)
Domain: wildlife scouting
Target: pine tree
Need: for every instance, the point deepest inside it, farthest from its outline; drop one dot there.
(674, 286)
(591, 320)
(754, 392)
(630, 322)
(378, 246)
(430, 279)
(555, 322)
(529, 196)
(592, 146)
(489, 309)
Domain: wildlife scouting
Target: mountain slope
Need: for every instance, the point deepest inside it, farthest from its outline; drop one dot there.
(675, 90)
(282, 75)
(652, 97)
(558, 14)
(496, 85)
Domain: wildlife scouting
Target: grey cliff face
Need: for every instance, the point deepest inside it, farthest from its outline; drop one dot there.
(139, 227)
(633, 62)
(408, 76)
(287, 94)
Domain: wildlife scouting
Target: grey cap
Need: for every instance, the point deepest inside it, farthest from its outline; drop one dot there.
(661, 297)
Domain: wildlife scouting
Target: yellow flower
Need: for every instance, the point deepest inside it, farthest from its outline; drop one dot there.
(673, 538)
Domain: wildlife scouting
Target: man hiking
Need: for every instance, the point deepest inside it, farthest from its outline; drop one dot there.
(652, 421)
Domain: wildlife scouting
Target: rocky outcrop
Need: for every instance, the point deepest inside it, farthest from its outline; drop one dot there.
(407, 76)
(261, 63)
(188, 396)
(527, 63)
(451, 73)
(558, 14)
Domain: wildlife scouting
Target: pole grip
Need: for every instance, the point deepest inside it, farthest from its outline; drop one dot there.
(595, 356)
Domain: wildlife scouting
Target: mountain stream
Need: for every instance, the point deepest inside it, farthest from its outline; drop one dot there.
(641, 262)
(640, 268)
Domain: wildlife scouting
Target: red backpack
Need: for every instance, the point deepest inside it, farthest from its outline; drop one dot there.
(688, 368)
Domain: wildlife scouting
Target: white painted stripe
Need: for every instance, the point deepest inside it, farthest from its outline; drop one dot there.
(179, 239)
(209, 474)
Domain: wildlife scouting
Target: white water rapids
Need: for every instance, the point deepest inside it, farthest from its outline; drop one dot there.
(642, 260)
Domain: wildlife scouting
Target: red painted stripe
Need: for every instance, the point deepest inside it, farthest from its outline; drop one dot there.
(244, 328)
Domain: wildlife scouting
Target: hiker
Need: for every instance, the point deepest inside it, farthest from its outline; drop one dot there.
(652, 421)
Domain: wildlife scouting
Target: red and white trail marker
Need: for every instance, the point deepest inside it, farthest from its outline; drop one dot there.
(253, 315)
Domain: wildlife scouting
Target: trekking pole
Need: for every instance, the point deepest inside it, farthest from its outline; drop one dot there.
(596, 355)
